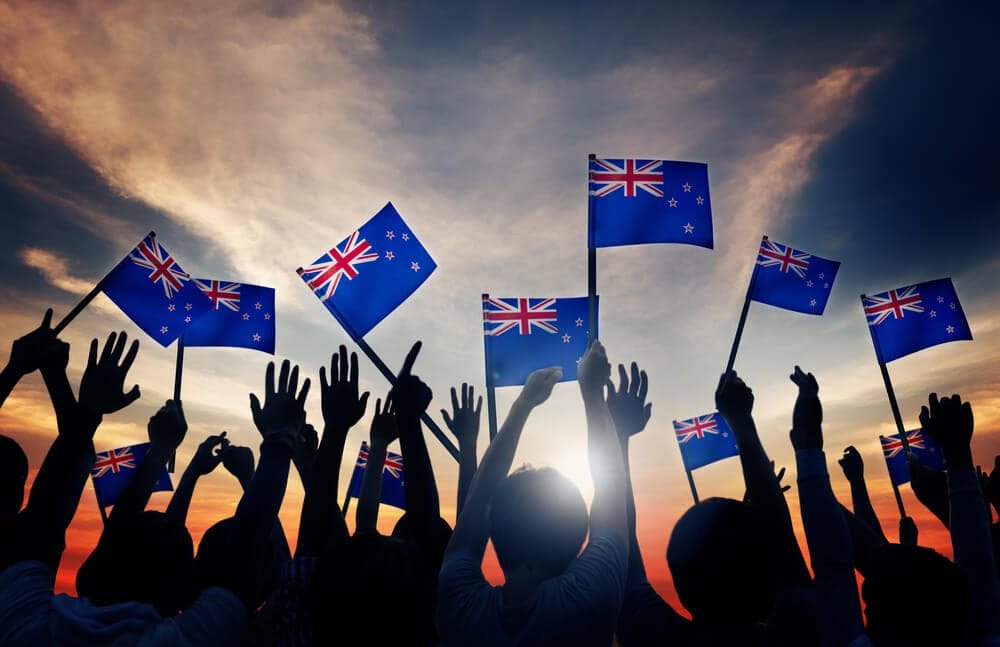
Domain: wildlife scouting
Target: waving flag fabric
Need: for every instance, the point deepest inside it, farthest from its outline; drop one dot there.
(704, 440)
(525, 334)
(152, 289)
(920, 443)
(242, 316)
(392, 478)
(792, 279)
(366, 276)
(115, 469)
(915, 317)
(637, 201)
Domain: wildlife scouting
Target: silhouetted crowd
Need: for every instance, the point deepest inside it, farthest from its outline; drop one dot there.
(571, 577)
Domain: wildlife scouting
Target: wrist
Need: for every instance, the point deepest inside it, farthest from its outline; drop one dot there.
(958, 457)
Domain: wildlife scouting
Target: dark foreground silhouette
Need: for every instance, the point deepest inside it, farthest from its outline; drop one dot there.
(571, 576)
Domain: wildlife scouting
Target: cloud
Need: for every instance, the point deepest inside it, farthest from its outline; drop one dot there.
(55, 269)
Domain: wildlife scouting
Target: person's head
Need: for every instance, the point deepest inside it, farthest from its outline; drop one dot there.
(213, 563)
(158, 554)
(898, 576)
(13, 475)
(538, 521)
(723, 561)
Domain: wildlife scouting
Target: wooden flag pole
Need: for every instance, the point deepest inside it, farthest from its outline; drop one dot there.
(889, 391)
(694, 492)
(591, 263)
(743, 318)
(178, 374)
(347, 503)
(491, 396)
(78, 308)
(895, 491)
(389, 375)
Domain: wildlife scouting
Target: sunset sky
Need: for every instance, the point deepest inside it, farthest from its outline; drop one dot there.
(253, 136)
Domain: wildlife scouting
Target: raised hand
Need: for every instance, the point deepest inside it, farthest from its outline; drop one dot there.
(628, 405)
(167, 427)
(102, 387)
(283, 413)
(384, 428)
(238, 461)
(808, 410)
(733, 398)
(594, 370)
(209, 454)
(342, 406)
(464, 422)
(807, 417)
(852, 464)
(949, 422)
(410, 395)
(36, 349)
(539, 384)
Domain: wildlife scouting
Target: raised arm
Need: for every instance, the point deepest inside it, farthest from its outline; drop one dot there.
(27, 354)
(950, 423)
(411, 398)
(854, 471)
(322, 520)
(383, 432)
(56, 492)
(607, 467)
(464, 424)
(472, 527)
(279, 422)
(206, 458)
(167, 429)
(734, 400)
(827, 534)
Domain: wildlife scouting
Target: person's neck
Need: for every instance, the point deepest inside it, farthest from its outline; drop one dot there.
(521, 583)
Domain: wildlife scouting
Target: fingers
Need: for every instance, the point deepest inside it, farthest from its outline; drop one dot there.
(119, 347)
(304, 393)
(363, 401)
(378, 407)
(133, 350)
(622, 380)
(648, 410)
(465, 395)
(411, 358)
(283, 377)
(388, 403)
(108, 345)
(131, 396)
(293, 380)
(354, 368)
(92, 357)
(447, 419)
(254, 406)
(633, 387)
(342, 361)
(269, 380)
(47, 320)
(479, 407)
(643, 386)
(925, 417)
(324, 385)
(454, 399)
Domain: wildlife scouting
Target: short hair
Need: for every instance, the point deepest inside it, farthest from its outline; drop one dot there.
(162, 552)
(724, 563)
(901, 574)
(13, 476)
(537, 517)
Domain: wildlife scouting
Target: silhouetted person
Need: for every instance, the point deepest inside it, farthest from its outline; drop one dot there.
(538, 522)
(897, 577)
